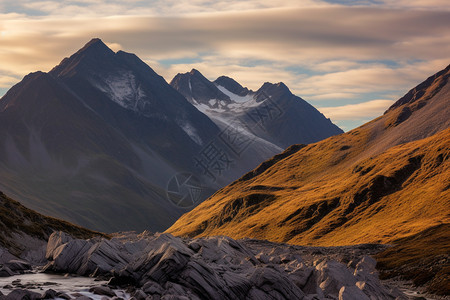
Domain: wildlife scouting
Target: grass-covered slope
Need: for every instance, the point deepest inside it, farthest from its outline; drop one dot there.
(385, 180)
(17, 221)
(397, 193)
(423, 258)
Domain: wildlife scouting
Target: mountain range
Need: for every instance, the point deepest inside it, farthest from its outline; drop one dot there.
(268, 115)
(103, 141)
(386, 182)
(102, 134)
(381, 181)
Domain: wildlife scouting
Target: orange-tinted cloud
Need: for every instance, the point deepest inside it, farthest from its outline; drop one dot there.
(323, 52)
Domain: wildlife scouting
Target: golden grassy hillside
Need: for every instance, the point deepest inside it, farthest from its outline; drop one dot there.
(394, 194)
(422, 258)
(385, 180)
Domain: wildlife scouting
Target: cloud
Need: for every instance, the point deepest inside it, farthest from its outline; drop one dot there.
(418, 4)
(324, 52)
(361, 111)
(101, 8)
(318, 36)
(213, 66)
(7, 81)
(368, 78)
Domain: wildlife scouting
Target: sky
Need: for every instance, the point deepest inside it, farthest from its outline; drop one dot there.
(350, 59)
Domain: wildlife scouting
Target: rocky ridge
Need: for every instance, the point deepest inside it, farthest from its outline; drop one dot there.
(272, 114)
(161, 266)
(377, 183)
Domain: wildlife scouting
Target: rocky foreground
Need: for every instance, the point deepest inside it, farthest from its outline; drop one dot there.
(162, 266)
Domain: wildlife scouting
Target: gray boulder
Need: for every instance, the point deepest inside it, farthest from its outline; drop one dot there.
(102, 290)
(21, 294)
(352, 293)
(275, 284)
(18, 266)
(6, 272)
(332, 276)
(50, 294)
(168, 267)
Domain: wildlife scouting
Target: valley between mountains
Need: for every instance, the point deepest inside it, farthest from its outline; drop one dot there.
(296, 209)
(102, 133)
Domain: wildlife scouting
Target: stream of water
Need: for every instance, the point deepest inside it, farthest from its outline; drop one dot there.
(40, 282)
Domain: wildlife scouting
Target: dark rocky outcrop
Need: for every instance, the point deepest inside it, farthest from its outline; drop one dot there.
(164, 266)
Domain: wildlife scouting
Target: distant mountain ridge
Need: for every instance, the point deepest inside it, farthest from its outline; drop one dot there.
(103, 133)
(382, 181)
(272, 113)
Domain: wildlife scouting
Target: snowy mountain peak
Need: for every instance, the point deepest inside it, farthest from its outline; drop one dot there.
(274, 87)
(122, 77)
(232, 85)
(275, 90)
(272, 113)
(199, 90)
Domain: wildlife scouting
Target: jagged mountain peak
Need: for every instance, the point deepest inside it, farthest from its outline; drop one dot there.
(122, 76)
(105, 115)
(196, 72)
(96, 44)
(91, 55)
(199, 90)
(232, 85)
(274, 88)
(373, 174)
(301, 122)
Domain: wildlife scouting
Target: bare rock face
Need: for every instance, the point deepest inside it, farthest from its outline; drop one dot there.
(5, 256)
(331, 276)
(166, 267)
(102, 290)
(6, 272)
(22, 294)
(352, 293)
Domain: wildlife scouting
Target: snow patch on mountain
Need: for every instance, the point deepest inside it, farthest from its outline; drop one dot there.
(208, 109)
(226, 118)
(234, 97)
(123, 89)
(238, 105)
(191, 132)
(213, 102)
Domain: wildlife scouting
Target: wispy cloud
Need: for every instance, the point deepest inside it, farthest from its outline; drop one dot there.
(356, 113)
(368, 78)
(7, 81)
(149, 8)
(364, 110)
(325, 52)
